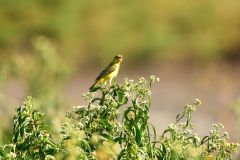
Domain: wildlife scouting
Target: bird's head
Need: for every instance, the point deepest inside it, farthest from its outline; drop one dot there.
(118, 58)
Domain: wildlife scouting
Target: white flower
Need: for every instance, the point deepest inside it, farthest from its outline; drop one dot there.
(197, 101)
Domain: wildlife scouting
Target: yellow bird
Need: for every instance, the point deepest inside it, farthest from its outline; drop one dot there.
(109, 72)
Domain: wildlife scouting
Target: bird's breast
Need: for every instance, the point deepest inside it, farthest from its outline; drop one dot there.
(115, 72)
(111, 75)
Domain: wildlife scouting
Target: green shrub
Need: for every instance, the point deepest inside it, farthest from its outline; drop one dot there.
(114, 124)
(30, 73)
(31, 137)
(117, 119)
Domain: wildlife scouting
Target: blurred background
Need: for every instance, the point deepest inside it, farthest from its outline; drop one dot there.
(54, 49)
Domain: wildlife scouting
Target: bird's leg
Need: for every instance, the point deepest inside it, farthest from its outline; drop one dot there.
(108, 82)
(105, 84)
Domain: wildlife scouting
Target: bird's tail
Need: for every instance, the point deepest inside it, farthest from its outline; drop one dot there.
(92, 86)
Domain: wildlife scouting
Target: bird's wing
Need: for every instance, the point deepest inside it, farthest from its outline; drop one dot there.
(110, 68)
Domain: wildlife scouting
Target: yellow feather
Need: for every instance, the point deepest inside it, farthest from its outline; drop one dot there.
(111, 75)
(103, 77)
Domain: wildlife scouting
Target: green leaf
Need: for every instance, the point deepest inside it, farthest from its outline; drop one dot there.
(22, 131)
(94, 89)
(15, 136)
(85, 145)
(138, 136)
(45, 128)
(154, 131)
(172, 134)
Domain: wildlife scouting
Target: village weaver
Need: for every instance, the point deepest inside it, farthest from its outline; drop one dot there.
(109, 72)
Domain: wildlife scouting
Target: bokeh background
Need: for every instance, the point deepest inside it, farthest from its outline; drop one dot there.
(54, 49)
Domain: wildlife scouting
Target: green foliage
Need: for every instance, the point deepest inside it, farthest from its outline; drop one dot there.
(183, 143)
(119, 115)
(30, 73)
(101, 118)
(114, 124)
(31, 136)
